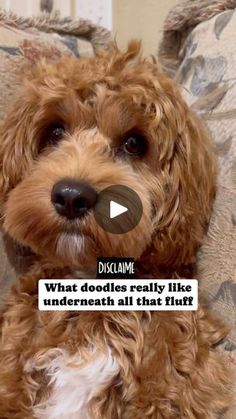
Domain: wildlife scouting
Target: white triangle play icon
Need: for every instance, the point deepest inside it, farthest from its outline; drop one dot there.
(116, 209)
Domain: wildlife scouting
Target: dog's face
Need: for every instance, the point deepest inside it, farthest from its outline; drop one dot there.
(91, 123)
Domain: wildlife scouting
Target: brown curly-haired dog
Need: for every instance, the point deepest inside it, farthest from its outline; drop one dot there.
(95, 122)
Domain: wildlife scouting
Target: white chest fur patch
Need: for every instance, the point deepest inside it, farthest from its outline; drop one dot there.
(74, 383)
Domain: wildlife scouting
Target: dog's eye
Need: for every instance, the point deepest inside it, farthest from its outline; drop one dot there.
(50, 135)
(135, 145)
(55, 132)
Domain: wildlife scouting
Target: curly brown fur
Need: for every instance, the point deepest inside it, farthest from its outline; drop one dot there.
(167, 366)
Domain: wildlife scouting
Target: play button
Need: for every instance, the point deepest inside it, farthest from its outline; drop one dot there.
(118, 209)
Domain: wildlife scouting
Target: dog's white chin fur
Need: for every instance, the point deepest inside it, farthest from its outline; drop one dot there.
(76, 250)
(74, 382)
(70, 245)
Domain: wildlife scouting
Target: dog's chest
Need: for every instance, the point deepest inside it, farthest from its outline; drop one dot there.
(74, 383)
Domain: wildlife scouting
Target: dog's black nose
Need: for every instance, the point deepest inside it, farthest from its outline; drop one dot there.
(72, 199)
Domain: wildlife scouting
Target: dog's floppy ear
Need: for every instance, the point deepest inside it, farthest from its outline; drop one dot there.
(187, 168)
(189, 176)
(15, 148)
